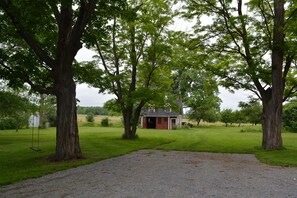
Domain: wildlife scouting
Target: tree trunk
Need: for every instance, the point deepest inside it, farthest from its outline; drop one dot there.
(271, 126)
(198, 122)
(128, 134)
(131, 121)
(136, 117)
(273, 99)
(67, 138)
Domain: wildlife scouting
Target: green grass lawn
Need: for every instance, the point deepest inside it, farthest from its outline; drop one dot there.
(18, 162)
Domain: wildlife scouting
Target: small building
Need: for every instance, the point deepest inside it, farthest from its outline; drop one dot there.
(34, 121)
(160, 119)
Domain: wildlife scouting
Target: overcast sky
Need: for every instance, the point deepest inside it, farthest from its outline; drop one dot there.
(90, 97)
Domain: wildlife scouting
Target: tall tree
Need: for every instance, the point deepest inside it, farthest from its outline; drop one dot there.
(200, 94)
(194, 86)
(134, 57)
(39, 42)
(247, 43)
(251, 110)
(228, 116)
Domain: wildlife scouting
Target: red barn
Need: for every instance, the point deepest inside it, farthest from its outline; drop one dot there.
(160, 119)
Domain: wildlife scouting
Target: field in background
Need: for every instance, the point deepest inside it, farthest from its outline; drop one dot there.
(19, 162)
(115, 121)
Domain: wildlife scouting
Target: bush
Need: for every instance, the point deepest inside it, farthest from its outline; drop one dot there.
(90, 117)
(105, 122)
(290, 119)
(7, 123)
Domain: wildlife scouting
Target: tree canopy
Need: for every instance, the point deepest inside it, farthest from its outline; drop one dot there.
(252, 45)
(133, 57)
(247, 44)
(38, 44)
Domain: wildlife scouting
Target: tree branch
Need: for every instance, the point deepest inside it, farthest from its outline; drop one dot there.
(289, 61)
(291, 15)
(55, 11)
(102, 58)
(85, 12)
(26, 78)
(10, 10)
(266, 23)
(292, 91)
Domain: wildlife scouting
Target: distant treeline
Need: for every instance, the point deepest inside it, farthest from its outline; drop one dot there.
(93, 110)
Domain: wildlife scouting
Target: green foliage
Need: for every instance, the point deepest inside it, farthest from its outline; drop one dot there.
(227, 116)
(201, 95)
(290, 118)
(90, 117)
(252, 111)
(105, 122)
(251, 130)
(239, 117)
(112, 106)
(14, 110)
(39, 42)
(134, 56)
(93, 110)
(250, 45)
(194, 86)
(47, 110)
(235, 42)
(21, 64)
(7, 123)
(52, 119)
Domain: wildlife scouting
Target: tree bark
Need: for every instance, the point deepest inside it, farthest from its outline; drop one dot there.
(69, 33)
(131, 121)
(271, 125)
(273, 99)
(129, 133)
(67, 138)
(127, 125)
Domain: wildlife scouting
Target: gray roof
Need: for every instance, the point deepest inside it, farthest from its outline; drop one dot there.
(158, 112)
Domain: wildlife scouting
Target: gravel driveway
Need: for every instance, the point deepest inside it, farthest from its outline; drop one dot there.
(150, 173)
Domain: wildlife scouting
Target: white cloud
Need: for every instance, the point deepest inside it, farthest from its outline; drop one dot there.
(89, 96)
(231, 100)
(84, 54)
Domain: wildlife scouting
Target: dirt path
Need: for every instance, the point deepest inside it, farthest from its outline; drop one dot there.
(150, 173)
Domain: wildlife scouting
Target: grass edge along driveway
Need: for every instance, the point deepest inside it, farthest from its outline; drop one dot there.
(18, 162)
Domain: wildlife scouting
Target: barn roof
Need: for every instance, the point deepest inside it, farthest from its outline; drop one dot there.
(158, 112)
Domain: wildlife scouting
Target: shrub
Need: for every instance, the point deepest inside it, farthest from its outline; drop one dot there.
(7, 123)
(90, 117)
(290, 119)
(105, 122)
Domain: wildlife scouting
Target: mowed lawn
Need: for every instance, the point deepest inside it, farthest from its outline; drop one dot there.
(19, 162)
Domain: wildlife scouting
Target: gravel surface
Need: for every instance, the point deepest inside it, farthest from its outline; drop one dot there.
(150, 173)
